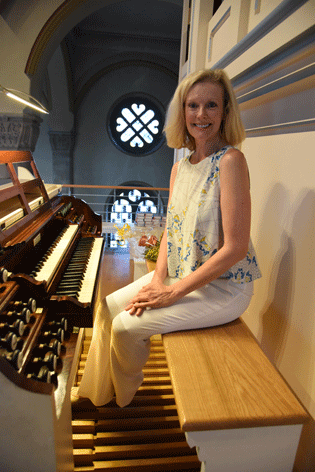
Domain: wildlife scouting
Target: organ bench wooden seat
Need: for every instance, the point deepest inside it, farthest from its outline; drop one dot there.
(232, 403)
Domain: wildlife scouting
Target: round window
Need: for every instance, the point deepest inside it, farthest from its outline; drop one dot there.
(136, 124)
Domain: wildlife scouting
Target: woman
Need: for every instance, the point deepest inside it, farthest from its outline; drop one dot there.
(206, 265)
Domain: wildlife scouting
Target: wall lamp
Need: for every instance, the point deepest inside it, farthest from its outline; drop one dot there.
(14, 94)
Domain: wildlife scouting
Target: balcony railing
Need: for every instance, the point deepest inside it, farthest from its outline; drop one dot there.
(121, 204)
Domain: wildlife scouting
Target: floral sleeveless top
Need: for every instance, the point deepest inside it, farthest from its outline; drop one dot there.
(194, 227)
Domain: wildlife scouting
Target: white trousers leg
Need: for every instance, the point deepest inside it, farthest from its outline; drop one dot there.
(121, 342)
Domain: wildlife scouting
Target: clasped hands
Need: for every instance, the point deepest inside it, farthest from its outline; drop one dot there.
(153, 295)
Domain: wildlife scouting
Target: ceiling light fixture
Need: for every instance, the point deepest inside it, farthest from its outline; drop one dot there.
(11, 93)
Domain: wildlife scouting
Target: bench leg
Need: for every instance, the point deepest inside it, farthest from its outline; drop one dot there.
(263, 449)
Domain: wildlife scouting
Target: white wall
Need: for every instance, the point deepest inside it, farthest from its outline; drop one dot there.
(266, 48)
(282, 312)
(42, 154)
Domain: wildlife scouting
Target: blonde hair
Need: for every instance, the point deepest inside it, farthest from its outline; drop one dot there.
(232, 129)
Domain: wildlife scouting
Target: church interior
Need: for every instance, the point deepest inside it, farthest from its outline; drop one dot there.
(84, 62)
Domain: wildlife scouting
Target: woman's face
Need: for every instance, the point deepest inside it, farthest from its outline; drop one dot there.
(204, 111)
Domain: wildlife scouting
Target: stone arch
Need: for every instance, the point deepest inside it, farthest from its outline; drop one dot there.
(64, 18)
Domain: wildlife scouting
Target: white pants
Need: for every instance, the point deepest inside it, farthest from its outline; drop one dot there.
(120, 343)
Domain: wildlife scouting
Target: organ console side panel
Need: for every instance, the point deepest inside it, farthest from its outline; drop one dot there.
(51, 251)
(29, 420)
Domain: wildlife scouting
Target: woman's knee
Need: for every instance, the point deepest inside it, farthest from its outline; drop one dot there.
(128, 330)
(118, 328)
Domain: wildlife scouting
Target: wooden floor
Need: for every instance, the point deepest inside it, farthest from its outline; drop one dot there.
(145, 436)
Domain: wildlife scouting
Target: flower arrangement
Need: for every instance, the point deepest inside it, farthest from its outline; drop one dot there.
(124, 233)
(152, 248)
(151, 244)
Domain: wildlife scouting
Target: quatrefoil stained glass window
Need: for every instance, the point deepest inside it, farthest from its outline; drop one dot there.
(136, 124)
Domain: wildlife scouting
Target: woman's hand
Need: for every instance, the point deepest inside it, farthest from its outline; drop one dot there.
(153, 295)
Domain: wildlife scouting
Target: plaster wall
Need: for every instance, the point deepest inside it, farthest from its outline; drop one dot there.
(97, 160)
(20, 23)
(43, 154)
(282, 312)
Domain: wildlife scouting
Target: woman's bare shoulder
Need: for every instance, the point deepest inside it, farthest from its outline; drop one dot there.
(174, 169)
(233, 157)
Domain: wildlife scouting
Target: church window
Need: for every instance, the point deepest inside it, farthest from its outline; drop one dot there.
(136, 124)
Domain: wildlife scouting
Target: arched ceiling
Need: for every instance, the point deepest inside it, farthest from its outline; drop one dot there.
(140, 30)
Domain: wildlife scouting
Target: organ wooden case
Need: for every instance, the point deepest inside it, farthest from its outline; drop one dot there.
(51, 249)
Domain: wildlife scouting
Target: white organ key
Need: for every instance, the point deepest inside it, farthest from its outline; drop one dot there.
(48, 269)
(88, 280)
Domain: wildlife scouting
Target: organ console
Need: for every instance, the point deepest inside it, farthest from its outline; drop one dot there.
(51, 249)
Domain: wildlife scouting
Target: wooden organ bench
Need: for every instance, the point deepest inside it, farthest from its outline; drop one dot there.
(233, 404)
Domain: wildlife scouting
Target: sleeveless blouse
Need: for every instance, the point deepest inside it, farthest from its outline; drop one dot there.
(194, 226)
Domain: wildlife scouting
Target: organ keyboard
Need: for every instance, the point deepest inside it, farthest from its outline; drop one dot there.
(47, 266)
(79, 277)
(51, 250)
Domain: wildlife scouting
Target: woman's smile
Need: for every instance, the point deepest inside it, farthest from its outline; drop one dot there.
(202, 126)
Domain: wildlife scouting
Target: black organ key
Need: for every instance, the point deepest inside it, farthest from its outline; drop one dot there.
(75, 266)
(68, 293)
(75, 272)
(72, 275)
(77, 269)
(64, 291)
(71, 282)
(46, 256)
(70, 279)
(73, 285)
(78, 258)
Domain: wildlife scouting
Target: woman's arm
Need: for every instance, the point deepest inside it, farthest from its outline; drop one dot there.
(235, 211)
